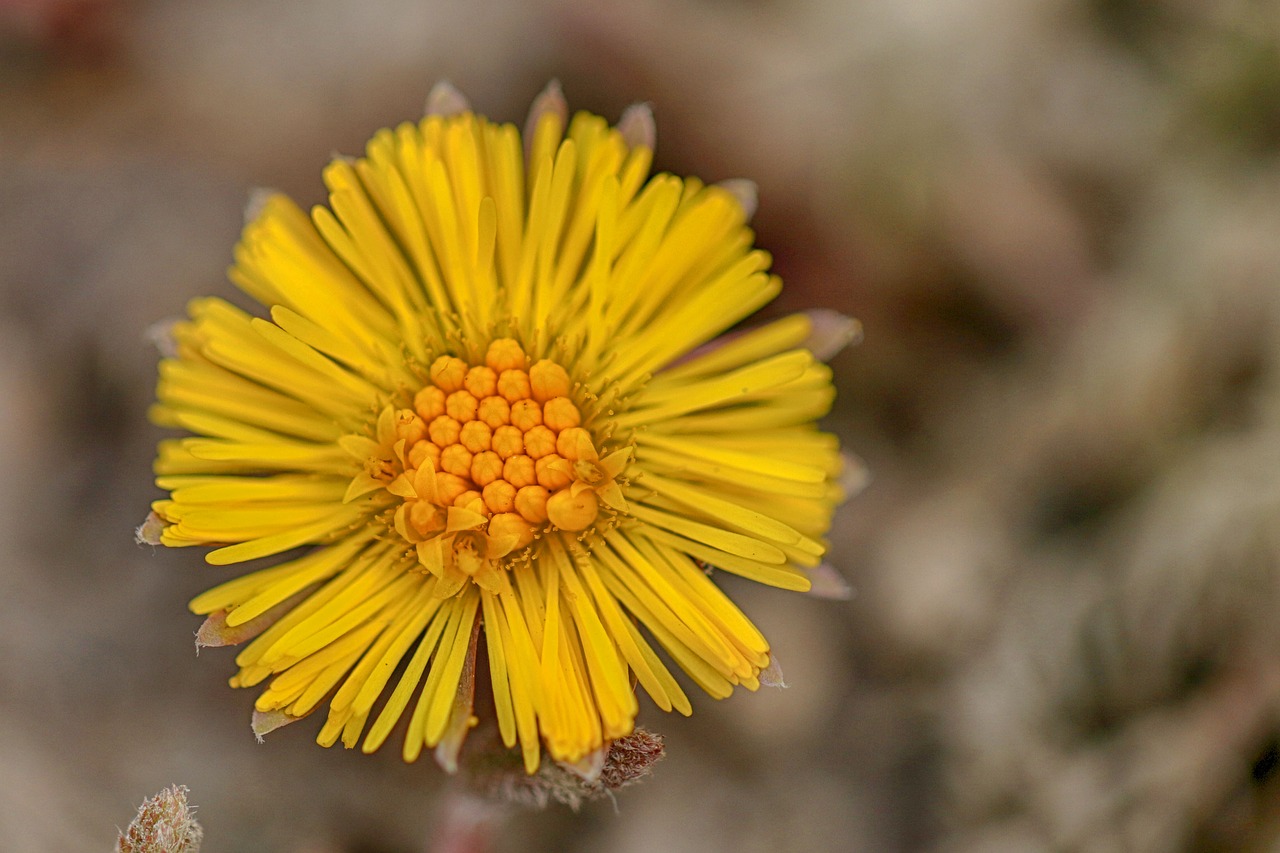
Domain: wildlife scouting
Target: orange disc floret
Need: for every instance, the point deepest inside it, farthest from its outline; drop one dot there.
(448, 373)
(519, 471)
(505, 354)
(560, 414)
(422, 451)
(553, 472)
(494, 411)
(444, 430)
(574, 443)
(513, 385)
(531, 503)
(485, 468)
(456, 459)
(507, 442)
(500, 496)
(548, 380)
(573, 513)
(409, 426)
(539, 441)
(526, 414)
(482, 381)
(510, 524)
(429, 403)
(461, 406)
(475, 436)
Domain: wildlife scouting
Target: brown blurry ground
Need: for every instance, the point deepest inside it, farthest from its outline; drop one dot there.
(1060, 225)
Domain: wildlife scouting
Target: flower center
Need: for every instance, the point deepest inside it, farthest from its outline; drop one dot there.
(493, 455)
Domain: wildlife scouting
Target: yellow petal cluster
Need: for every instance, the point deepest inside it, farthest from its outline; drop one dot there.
(479, 403)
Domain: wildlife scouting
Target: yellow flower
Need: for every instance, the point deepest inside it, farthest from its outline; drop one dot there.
(482, 404)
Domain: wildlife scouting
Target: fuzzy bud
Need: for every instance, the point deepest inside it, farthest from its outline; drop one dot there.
(165, 824)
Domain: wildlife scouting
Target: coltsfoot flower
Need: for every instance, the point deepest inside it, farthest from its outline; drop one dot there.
(481, 400)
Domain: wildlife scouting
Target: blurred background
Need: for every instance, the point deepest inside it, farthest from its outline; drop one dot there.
(1060, 225)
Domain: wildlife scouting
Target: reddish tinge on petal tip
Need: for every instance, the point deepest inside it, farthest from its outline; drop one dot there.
(148, 532)
(637, 127)
(830, 332)
(445, 100)
(771, 675)
(160, 335)
(460, 717)
(266, 722)
(854, 474)
(745, 191)
(215, 632)
(829, 583)
(257, 202)
(549, 100)
(590, 766)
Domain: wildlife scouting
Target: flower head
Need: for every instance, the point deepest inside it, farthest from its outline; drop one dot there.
(483, 404)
